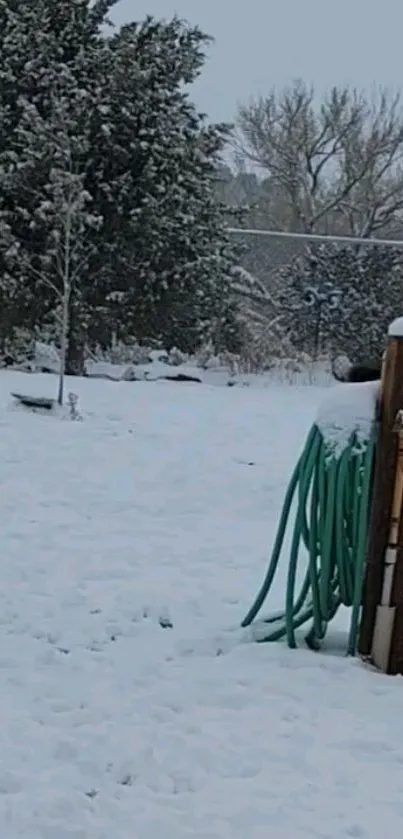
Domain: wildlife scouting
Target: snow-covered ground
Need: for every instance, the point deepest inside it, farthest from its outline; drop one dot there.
(131, 706)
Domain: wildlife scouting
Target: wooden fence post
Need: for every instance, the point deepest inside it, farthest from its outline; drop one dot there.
(381, 631)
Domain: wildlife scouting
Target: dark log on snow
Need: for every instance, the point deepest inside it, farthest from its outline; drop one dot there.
(34, 401)
(182, 377)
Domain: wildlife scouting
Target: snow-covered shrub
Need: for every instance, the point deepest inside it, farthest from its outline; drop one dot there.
(121, 353)
(46, 357)
(341, 365)
(302, 370)
(177, 357)
(158, 355)
(342, 299)
(263, 344)
(129, 374)
(207, 359)
(205, 355)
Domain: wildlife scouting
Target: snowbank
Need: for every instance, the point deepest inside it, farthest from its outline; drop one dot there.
(141, 364)
(348, 409)
(131, 545)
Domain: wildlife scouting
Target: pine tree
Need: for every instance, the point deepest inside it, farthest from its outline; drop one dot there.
(164, 234)
(157, 261)
(46, 62)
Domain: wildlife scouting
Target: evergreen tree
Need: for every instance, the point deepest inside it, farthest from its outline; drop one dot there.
(157, 261)
(341, 299)
(164, 234)
(47, 63)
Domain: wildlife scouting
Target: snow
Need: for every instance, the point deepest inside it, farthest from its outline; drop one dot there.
(151, 371)
(46, 356)
(139, 364)
(396, 328)
(213, 373)
(132, 705)
(347, 409)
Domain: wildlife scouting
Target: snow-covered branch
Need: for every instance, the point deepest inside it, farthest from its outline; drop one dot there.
(336, 161)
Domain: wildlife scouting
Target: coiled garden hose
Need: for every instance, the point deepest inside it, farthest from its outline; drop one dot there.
(333, 493)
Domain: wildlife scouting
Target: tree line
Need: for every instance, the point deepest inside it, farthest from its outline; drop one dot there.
(115, 201)
(109, 223)
(329, 166)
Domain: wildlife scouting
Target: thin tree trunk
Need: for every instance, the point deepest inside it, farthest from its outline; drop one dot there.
(63, 343)
(66, 299)
(75, 350)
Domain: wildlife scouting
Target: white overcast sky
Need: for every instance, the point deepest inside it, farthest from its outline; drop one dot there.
(261, 43)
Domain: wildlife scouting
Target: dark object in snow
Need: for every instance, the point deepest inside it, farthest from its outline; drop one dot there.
(364, 373)
(165, 623)
(44, 369)
(360, 373)
(182, 377)
(34, 401)
(7, 360)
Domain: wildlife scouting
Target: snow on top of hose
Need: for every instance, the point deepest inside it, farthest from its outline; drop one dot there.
(347, 409)
(396, 328)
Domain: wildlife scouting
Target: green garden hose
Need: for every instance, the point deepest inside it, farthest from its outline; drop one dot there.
(333, 494)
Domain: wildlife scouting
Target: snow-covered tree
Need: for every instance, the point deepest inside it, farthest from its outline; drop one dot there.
(341, 299)
(47, 94)
(62, 207)
(337, 165)
(160, 265)
(164, 232)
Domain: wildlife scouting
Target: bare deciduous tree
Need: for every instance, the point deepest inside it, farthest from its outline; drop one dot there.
(337, 166)
(61, 206)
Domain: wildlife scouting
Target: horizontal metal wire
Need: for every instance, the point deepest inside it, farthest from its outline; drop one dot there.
(315, 237)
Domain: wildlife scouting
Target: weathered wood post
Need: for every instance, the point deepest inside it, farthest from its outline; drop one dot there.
(381, 631)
